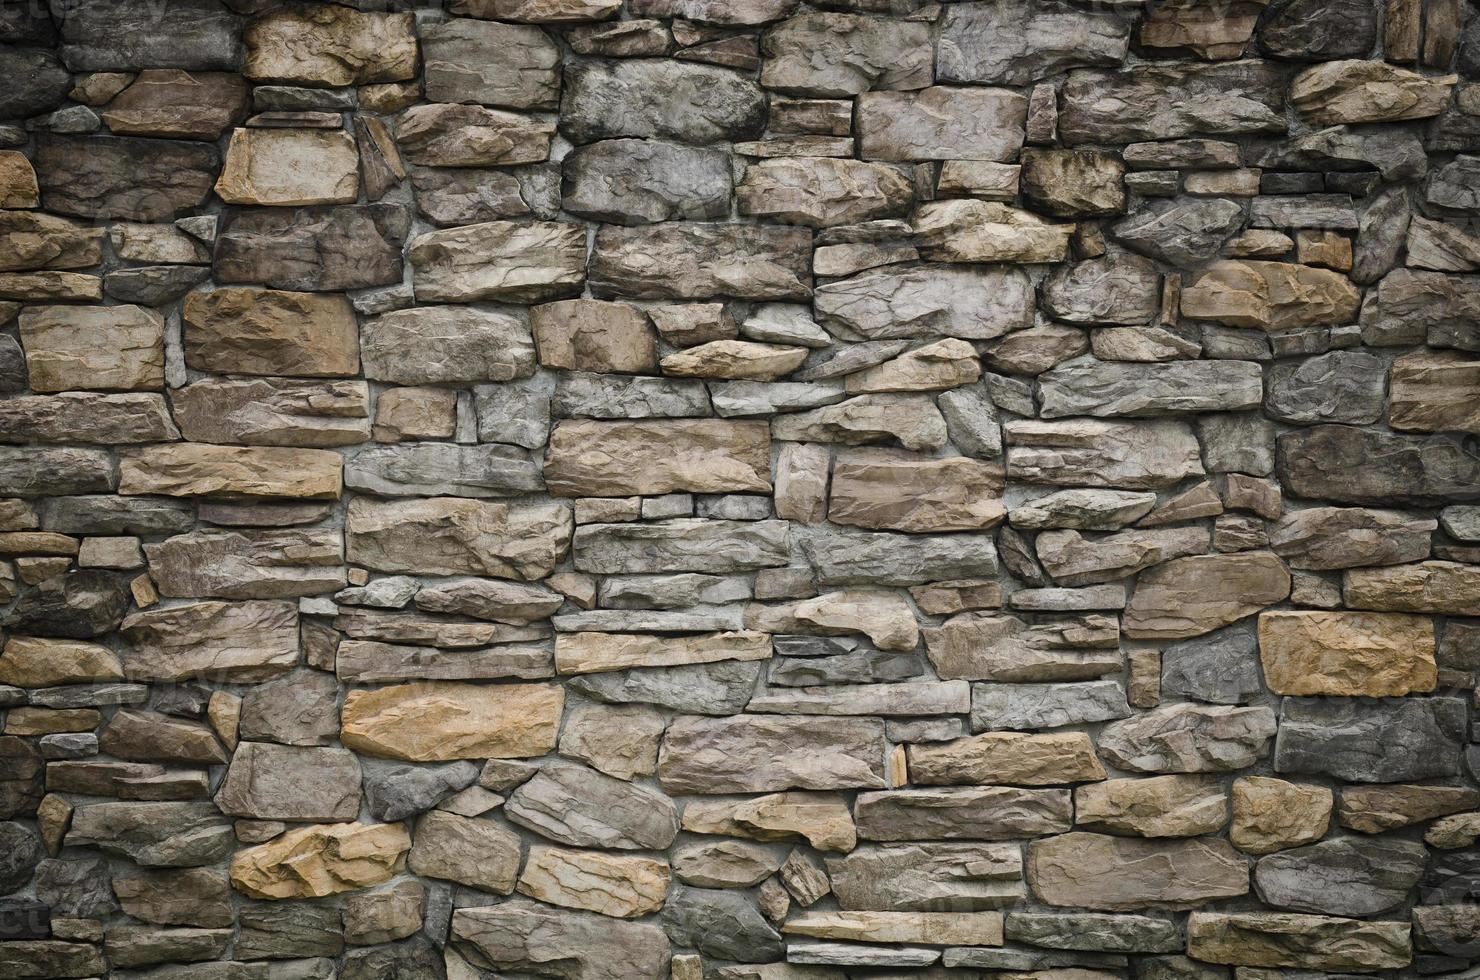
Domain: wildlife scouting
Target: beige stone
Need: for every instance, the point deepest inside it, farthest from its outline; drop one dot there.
(618, 739)
(884, 617)
(1013, 758)
(518, 261)
(587, 652)
(1444, 587)
(226, 641)
(614, 459)
(449, 135)
(1270, 296)
(1271, 814)
(948, 363)
(33, 661)
(320, 860)
(197, 470)
(415, 413)
(740, 360)
(241, 330)
(937, 928)
(31, 240)
(180, 104)
(801, 482)
(1302, 942)
(615, 885)
(478, 853)
(1449, 833)
(1435, 392)
(1359, 91)
(965, 230)
(1351, 654)
(330, 45)
(1215, 32)
(821, 192)
(456, 536)
(888, 489)
(1161, 806)
(1121, 874)
(1195, 595)
(1377, 809)
(290, 167)
(48, 286)
(593, 335)
(823, 820)
(911, 420)
(446, 720)
(985, 647)
(93, 348)
(17, 181)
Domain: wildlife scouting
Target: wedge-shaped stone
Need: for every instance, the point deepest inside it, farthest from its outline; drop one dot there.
(1382, 741)
(941, 123)
(274, 412)
(1196, 595)
(330, 46)
(1363, 466)
(977, 646)
(657, 98)
(444, 720)
(1189, 738)
(1007, 757)
(941, 928)
(928, 301)
(884, 489)
(438, 345)
(944, 877)
(823, 820)
(199, 470)
(452, 536)
(448, 135)
(501, 260)
(490, 63)
(924, 698)
(944, 364)
(1444, 587)
(1072, 559)
(583, 653)
(1347, 876)
(575, 805)
(260, 331)
(33, 661)
(740, 360)
(1347, 537)
(230, 641)
(971, 813)
(290, 782)
(290, 168)
(1186, 231)
(986, 231)
(1161, 806)
(320, 860)
(1032, 706)
(1302, 942)
(625, 887)
(504, 602)
(1167, 102)
(1270, 296)
(32, 240)
(1358, 91)
(698, 260)
(348, 247)
(522, 936)
(152, 737)
(1108, 388)
(1125, 873)
(768, 753)
(1090, 452)
(820, 192)
(1350, 654)
(248, 564)
(912, 420)
(683, 545)
(1435, 392)
(100, 348)
(124, 177)
(613, 459)
(156, 835)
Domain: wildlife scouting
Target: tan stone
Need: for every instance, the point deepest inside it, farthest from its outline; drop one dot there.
(801, 482)
(37, 543)
(889, 489)
(1120, 874)
(937, 928)
(1161, 806)
(592, 335)
(455, 536)
(33, 661)
(618, 739)
(1195, 595)
(1445, 587)
(196, 470)
(740, 360)
(226, 641)
(1072, 559)
(1004, 648)
(328, 45)
(179, 104)
(823, 820)
(884, 617)
(944, 364)
(320, 860)
(614, 459)
(1302, 942)
(50, 721)
(1456, 831)
(31, 240)
(17, 181)
(1215, 32)
(241, 330)
(1435, 392)
(48, 286)
(911, 420)
(1014, 758)
(1271, 814)
(615, 885)
(1352, 654)
(1360, 91)
(964, 230)
(290, 167)
(53, 818)
(93, 348)
(588, 653)
(1377, 809)
(478, 853)
(518, 261)
(446, 720)
(1270, 296)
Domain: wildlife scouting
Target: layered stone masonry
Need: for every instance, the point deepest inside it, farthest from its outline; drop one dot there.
(739, 489)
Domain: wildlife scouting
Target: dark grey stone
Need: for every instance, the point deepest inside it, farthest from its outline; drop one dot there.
(1371, 741)
(20, 852)
(1220, 667)
(327, 248)
(1094, 931)
(81, 889)
(603, 396)
(1184, 231)
(1360, 466)
(110, 515)
(36, 82)
(1318, 30)
(414, 959)
(1349, 876)
(395, 791)
(661, 99)
(722, 688)
(103, 35)
(285, 930)
(720, 923)
(77, 605)
(154, 285)
(633, 181)
(859, 667)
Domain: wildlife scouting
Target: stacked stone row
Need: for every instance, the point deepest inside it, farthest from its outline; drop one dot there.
(739, 489)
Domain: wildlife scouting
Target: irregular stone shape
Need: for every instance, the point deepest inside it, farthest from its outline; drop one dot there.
(147, 736)
(943, 364)
(1375, 809)
(231, 472)
(621, 741)
(636, 181)
(1305, 942)
(274, 412)
(820, 192)
(433, 468)
(41, 80)
(290, 929)
(271, 564)
(972, 813)
(1189, 738)
(1123, 873)
(837, 55)
(1427, 587)
(722, 924)
(1191, 596)
(575, 805)
(395, 792)
(436, 345)
(659, 99)
(123, 177)
(1100, 934)
(986, 231)
(953, 494)
(912, 420)
(23, 852)
(1370, 741)
(168, 835)
(465, 196)
(1359, 466)
(101, 348)
(928, 301)
(1071, 559)
(290, 167)
(1347, 653)
(878, 558)
(1272, 815)
(287, 782)
(1435, 392)
(941, 123)
(1068, 183)
(39, 241)
(505, 602)
(698, 456)
(522, 936)
(1448, 929)
(1161, 806)
(452, 536)
(682, 545)
(1006, 757)
(1359, 91)
(697, 260)
(1004, 648)
(329, 46)
(1185, 231)
(1012, 43)
(180, 104)
(321, 859)
(771, 753)
(1219, 667)
(1087, 386)
(823, 820)
(199, 897)
(1408, 306)
(1127, 455)
(502, 260)
(1308, 30)
(1085, 510)
(590, 335)
(722, 688)
(589, 652)
(1270, 296)
(80, 605)
(925, 698)
(23, 782)
(477, 853)
(51, 958)
(332, 248)
(449, 135)
(603, 396)
(1167, 102)
(257, 331)
(230, 641)
(624, 887)
(37, 662)
(937, 877)
(1342, 386)
(1452, 186)
(1350, 877)
(492, 64)
(1032, 706)
(1119, 289)
(442, 720)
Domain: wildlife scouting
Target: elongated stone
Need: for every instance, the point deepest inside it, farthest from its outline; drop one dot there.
(1444, 587)
(330, 47)
(289, 167)
(1375, 809)
(1349, 876)
(1134, 455)
(618, 886)
(955, 494)
(1008, 43)
(232, 472)
(586, 652)
(85, 417)
(1195, 595)
(519, 936)
(436, 345)
(979, 646)
(934, 877)
(979, 813)
(1097, 934)
(635, 181)
(452, 536)
(321, 859)
(274, 412)
(1101, 388)
(698, 260)
(332, 248)
(772, 753)
(123, 176)
(1189, 738)
(501, 260)
(1036, 706)
(1012, 758)
(1123, 873)
(1347, 653)
(233, 641)
(270, 564)
(941, 123)
(1270, 296)
(912, 420)
(837, 55)
(1156, 102)
(820, 192)
(1308, 942)
(450, 135)
(1382, 741)
(446, 720)
(1435, 392)
(116, 348)
(170, 835)
(1161, 806)
(694, 456)
(490, 63)
(682, 545)
(575, 805)
(241, 330)
(928, 301)
(664, 99)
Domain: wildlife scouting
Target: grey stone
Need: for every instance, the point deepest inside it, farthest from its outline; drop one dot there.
(722, 688)
(859, 667)
(1185, 231)
(277, 930)
(1382, 229)
(332, 248)
(1359, 466)
(1241, 443)
(580, 806)
(702, 260)
(102, 36)
(932, 877)
(1084, 510)
(1396, 154)
(972, 422)
(1011, 42)
(41, 83)
(491, 599)
(604, 396)
(995, 707)
(467, 195)
(526, 937)
(1089, 452)
(395, 791)
(80, 889)
(1342, 386)
(772, 753)
(1189, 738)
(514, 66)
(124, 177)
(927, 301)
(154, 285)
(414, 958)
(248, 564)
(941, 123)
(288, 782)
(972, 813)
(1348, 876)
(1110, 289)
(54, 471)
(1094, 931)
(1166, 102)
(299, 709)
(682, 545)
(1219, 668)
(1453, 185)
(21, 852)
(1318, 30)
(1370, 741)
(848, 557)
(662, 99)
(154, 834)
(834, 55)
(426, 469)
(1409, 306)
(1086, 386)
(720, 923)
(741, 398)
(636, 181)
(1350, 537)
(441, 344)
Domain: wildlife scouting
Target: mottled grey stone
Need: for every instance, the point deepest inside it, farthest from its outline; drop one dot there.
(267, 781)
(721, 923)
(834, 55)
(636, 181)
(20, 852)
(99, 35)
(858, 667)
(1165, 102)
(848, 557)
(586, 808)
(682, 545)
(996, 707)
(927, 301)
(1350, 876)
(1185, 231)
(76, 889)
(154, 834)
(722, 688)
(1014, 42)
(278, 930)
(1318, 30)
(1110, 289)
(1094, 931)
(1087, 386)
(1370, 741)
(80, 605)
(930, 877)
(1219, 668)
(395, 791)
(605, 396)
(662, 99)
(1361, 466)
(428, 469)
(39, 82)
(1189, 738)
(332, 248)
(1342, 386)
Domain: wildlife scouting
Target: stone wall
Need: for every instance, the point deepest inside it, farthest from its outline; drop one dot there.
(739, 489)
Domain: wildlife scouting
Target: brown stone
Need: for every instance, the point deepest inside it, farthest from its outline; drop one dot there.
(1435, 392)
(591, 335)
(1351, 654)
(938, 928)
(1303, 942)
(478, 853)
(615, 885)
(1121, 874)
(1443, 587)
(31, 240)
(330, 46)
(1013, 758)
(199, 897)
(151, 737)
(1378, 809)
(454, 536)
(888, 489)
(613, 459)
(1270, 296)
(587, 652)
(179, 104)
(766, 753)
(502, 260)
(198, 470)
(448, 135)
(239, 330)
(823, 820)
(229, 641)
(18, 187)
(446, 720)
(1005, 648)
(1191, 596)
(41, 662)
(274, 412)
(1358, 91)
(1271, 814)
(95, 348)
(1161, 806)
(320, 860)
(124, 177)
